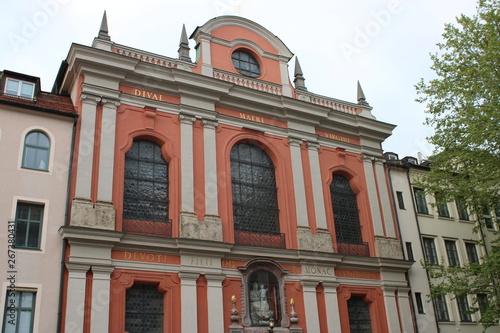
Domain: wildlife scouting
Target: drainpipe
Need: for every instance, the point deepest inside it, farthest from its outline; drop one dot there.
(66, 223)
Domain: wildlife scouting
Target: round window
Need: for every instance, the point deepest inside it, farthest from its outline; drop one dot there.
(245, 63)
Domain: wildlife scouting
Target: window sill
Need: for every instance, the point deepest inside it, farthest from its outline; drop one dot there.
(446, 218)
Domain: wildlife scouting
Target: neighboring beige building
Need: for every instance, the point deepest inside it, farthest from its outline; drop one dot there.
(437, 234)
(36, 133)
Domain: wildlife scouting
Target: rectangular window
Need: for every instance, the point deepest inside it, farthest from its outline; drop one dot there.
(482, 302)
(401, 201)
(463, 308)
(442, 207)
(28, 225)
(19, 312)
(420, 304)
(420, 201)
(409, 251)
(462, 210)
(430, 251)
(441, 308)
(472, 253)
(19, 88)
(452, 254)
(488, 220)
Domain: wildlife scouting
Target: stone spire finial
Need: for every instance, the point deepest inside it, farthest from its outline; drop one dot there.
(361, 96)
(299, 80)
(184, 46)
(103, 31)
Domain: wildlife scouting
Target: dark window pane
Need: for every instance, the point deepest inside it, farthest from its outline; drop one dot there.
(245, 63)
(144, 309)
(345, 211)
(359, 315)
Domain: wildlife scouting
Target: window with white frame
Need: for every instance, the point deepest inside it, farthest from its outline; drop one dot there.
(36, 151)
(19, 312)
(19, 88)
(420, 201)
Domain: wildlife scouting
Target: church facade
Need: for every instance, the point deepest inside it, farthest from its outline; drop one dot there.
(217, 194)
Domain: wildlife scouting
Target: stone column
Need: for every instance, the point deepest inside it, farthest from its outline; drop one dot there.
(405, 310)
(86, 146)
(391, 309)
(99, 320)
(311, 305)
(187, 181)
(298, 182)
(373, 196)
(332, 306)
(215, 308)
(211, 190)
(319, 202)
(189, 304)
(107, 151)
(75, 300)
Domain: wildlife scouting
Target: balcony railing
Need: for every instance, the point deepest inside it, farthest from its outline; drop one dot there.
(361, 250)
(262, 239)
(148, 228)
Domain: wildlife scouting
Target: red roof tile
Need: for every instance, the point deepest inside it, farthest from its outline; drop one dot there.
(44, 100)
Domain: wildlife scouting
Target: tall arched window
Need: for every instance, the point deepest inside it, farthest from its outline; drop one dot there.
(36, 151)
(255, 202)
(345, 214)
(145, 194)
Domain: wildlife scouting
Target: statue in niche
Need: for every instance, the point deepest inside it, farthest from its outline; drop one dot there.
(259, 307)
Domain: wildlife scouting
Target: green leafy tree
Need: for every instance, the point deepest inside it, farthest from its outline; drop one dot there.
(463, 107)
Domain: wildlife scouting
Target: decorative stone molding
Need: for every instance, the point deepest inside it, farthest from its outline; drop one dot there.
(209, 123)
(320, 242)
(388, 248)
(311, 145)
(296, 142)
(187, 118)
(208, 229)
(90, 99)
(100, 215)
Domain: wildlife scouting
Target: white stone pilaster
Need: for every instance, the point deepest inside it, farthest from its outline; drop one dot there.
(215, 309)
(319, 202)
(211, 201)
(311, 305)
(373, 197)
(332, 306)
(298, 182)
(86, 146)
(189, 304)
(391, 309)
(75, 300)
(405, 310)
(285, 80)
(187, 180)
(107, 151)
(206, 58)
(384, 198)
(99, 320)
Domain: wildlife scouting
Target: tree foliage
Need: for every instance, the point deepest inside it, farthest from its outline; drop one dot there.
(463, 107)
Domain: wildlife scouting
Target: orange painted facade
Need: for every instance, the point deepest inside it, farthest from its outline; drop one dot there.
(196, 119)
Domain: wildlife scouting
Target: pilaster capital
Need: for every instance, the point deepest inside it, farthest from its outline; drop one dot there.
(90, 99)
(77, 268)
(309, 285)
(294, 142)
(186, 118)
(312, 145)
(214, 279)
(187, 277)
(102, 269)
(209, 123)
(110, 103)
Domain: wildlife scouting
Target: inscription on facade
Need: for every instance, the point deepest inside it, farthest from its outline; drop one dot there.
(148, 94)
(317, 270)
(357, 274)
(251, 117)
(143, 256)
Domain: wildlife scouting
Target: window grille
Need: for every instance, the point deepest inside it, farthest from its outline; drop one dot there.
(144, 309)
(359, 315)
(255, 202)
(345, 211)
(145, 194)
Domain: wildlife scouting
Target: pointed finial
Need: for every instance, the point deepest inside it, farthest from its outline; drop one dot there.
(299, 79)
(103, 31)
(184, 46)
(361, 96)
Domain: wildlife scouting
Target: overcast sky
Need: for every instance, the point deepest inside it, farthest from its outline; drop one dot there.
(385, 44)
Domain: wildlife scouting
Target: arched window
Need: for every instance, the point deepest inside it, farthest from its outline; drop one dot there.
(145, 194)
(255, 202)
(36, 151)
(345, 214)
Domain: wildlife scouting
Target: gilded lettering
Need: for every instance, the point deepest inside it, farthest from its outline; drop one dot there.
(150, 257)
(127, 255)
(137, 92)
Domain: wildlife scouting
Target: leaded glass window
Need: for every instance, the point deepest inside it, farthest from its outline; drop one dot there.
(255, 201)
(36, 151)
(359, 315)
(145, 195)
(144, 309)
(245, 63)
(345, 211)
